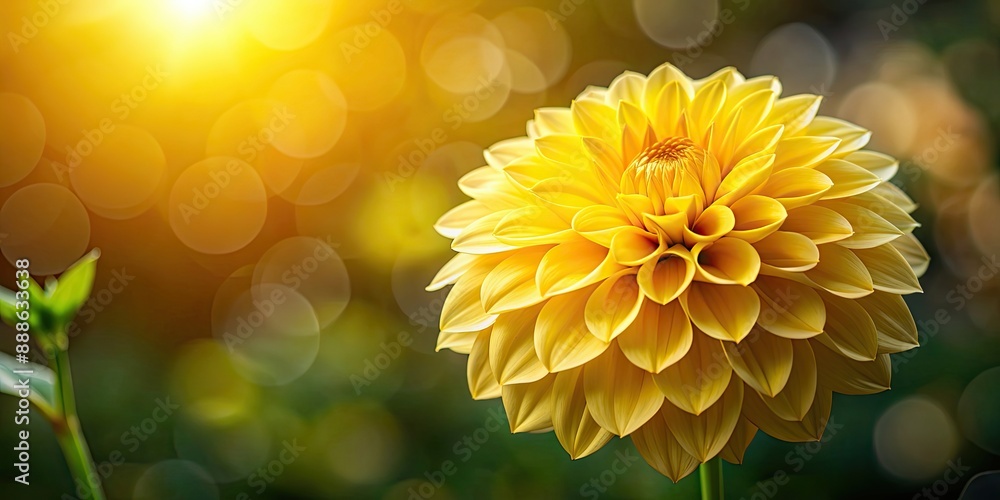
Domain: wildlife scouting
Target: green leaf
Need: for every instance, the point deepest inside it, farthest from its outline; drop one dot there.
(7, 311)
(41, 382)
(68, 295)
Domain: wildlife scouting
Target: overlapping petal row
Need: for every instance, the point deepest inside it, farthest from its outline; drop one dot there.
(683, 262)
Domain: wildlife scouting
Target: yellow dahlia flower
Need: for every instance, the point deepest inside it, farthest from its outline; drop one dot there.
(683, 262)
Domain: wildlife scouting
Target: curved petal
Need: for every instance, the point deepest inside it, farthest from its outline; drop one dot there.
(787, 251)
(795, 399)
(621, 396)
(656, 442)
(789, 309)
(512, 348)
(632, 246)
(725, 312)
(482, 383)
(713, 223)
(762, 360)
(511, 284)
(849, 329)
(698, 380)
(463, 308)
(738, 443)
(841, 273)
(852, 137)
(529, 406)
(573, 265)
(562, 339)
(727, 261)
(600, 223)
(477, 238)
(897, 332)
(704, 435)
(819, 224)
(575, 428)
(532, 225)
(757, 217)
(451, 224)
(848, 178)
(749, 174)
(452, 270)
(810, 428)
(803, 152)
(889, 270)
(870, 228)
(797, 187)
(848, 376)
(613, 306)
(914, 253)
(879, 164)
(665, 278)
(795, 112)
(460, 342)
(660, 336)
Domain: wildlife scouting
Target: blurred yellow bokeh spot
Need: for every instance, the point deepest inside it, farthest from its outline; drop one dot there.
(316, 110)
(47, 224)
(121, 178)
(22, 137)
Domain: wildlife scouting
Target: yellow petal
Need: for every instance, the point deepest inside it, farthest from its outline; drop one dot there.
(663, 279)
(600, 223)
(797, 187)
(477, 238)
(614, 305)
(795, 112)
(911, 250)
(573, 265)
(660, 336)
(627, 87)
(889, 270)
(607, 160)
(670, 104)
(817, 223)
(852, 137)
(841, 273)
(452, 270)
(756, 217)
(698, 380)
(763, 141)
(795, 399)
(715, 222)
(562, 339)
(848, 376)
(504, 152)
(803, 152)
(529, 406)
(463, 309)
(725, 312)
(896, 329)
(705, 106)
(727, 261)
(787, 251)
(460, 342)
(621, 396)
(749, 174)
(849, 329)
(789, 309)
(512, 348)
(896, 196)
(492, 188)
(656, 443)
(848, 178)
(575, 428)
(810, 428)
(738, 443)
(870, 229)
(637, 133)
(554, 121)
(455, 220)
(704, 435)
(633, 246)
(482, 383)
(596, 120)
(885, 209)
(511, 284)
(879, 164)
(762, 360)
(532, 225)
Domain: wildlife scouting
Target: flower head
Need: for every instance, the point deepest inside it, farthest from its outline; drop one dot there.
(683, 262)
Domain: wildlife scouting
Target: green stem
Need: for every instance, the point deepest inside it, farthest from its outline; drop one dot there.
(68, 431)
(711, 479)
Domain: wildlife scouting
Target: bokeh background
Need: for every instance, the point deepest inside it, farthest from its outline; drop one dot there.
(222, 153)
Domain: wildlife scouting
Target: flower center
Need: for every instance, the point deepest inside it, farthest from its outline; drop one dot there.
(670, 168)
